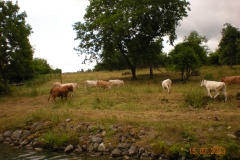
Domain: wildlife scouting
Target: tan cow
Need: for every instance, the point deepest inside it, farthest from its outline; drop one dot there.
(231, 80)
(58, 84)
(60, 92)
(103, 84)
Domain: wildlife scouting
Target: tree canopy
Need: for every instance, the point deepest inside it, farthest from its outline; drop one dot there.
(189, 55)
(229, 45)
(133, 27)
(15, 50)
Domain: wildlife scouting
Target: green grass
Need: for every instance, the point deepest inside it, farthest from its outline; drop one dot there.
(142, 104)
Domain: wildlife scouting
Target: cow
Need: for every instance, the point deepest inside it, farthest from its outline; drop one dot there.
(231, 80)
(90, 84)
(167, 84)
(103, 84)
(60, 92)
(116, 82)
(216, 86)
(58, 84)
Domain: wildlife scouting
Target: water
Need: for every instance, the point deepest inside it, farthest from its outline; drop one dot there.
(8, 152)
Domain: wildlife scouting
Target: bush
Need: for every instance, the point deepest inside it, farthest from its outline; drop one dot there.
(195, 98)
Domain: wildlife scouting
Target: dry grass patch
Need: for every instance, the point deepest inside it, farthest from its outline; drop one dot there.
(167, 119)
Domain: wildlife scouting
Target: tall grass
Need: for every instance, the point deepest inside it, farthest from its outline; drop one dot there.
(140, 103)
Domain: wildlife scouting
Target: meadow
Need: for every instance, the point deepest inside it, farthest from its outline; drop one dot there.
(183, 121)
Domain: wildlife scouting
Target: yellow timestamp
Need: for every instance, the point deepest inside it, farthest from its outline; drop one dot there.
(214, 150)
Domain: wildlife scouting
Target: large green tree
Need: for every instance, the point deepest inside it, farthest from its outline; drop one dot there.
(133, 27)
(228, 45)
(189, 55)
(15, 50)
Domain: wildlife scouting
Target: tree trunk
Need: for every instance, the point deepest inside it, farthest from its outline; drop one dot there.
(6, 88)
(133, 69)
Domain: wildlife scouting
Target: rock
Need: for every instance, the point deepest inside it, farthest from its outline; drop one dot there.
(68, 148)
(7, 140)
(68, 120)
(95, 139)
(1, 138)
(7, 134)
(210, 129)
(90, 148)
(101, 147)
(116, 152)
(25, 142)
(132, 150)
(16, 135)
(78, 150)
(231, 136)
(38, 149)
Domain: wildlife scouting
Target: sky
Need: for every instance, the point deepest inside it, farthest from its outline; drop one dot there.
(53, 35)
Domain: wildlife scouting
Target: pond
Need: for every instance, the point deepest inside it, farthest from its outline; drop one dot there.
(8, 152)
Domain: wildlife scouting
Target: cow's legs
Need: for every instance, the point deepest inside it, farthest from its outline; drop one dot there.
(209, 93)
(217, 93)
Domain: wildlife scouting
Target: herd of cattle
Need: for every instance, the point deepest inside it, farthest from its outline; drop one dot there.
(62, 90)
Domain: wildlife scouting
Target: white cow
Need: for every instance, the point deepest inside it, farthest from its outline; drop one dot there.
(167, 84)
(216, 86)
(90, 83)
(58, 84)
(116, 82)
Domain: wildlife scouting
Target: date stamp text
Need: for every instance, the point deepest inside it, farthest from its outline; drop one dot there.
(214, 150)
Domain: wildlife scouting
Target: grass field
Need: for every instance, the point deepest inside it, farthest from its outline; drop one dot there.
(184, 119)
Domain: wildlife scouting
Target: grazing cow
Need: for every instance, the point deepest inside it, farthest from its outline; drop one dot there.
(103, 84)
(167, 84)
(60, 92)
(116, 82)
(216, 86)
(58, 84)
(90, 83)
(231, 80)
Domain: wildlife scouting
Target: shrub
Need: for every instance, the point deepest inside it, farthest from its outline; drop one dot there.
(195, 98)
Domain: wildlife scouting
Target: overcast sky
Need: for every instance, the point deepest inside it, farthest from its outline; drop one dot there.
(53, 37)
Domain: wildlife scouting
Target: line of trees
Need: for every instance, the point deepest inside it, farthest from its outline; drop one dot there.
(129, 34)
(16, 53)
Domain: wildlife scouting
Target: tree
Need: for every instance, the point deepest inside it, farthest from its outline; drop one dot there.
(112, 62)
(40, 66)
(214, 58)
(228, 45)
(132, 27)
(189, 55)
(15, 50)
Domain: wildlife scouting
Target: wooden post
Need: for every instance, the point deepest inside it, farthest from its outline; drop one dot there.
(61, 76)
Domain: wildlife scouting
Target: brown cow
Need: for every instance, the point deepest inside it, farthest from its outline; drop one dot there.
(103, 84)
(60, 92)
(231, 80)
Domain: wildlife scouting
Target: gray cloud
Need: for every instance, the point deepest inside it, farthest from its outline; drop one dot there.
(207, 18)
